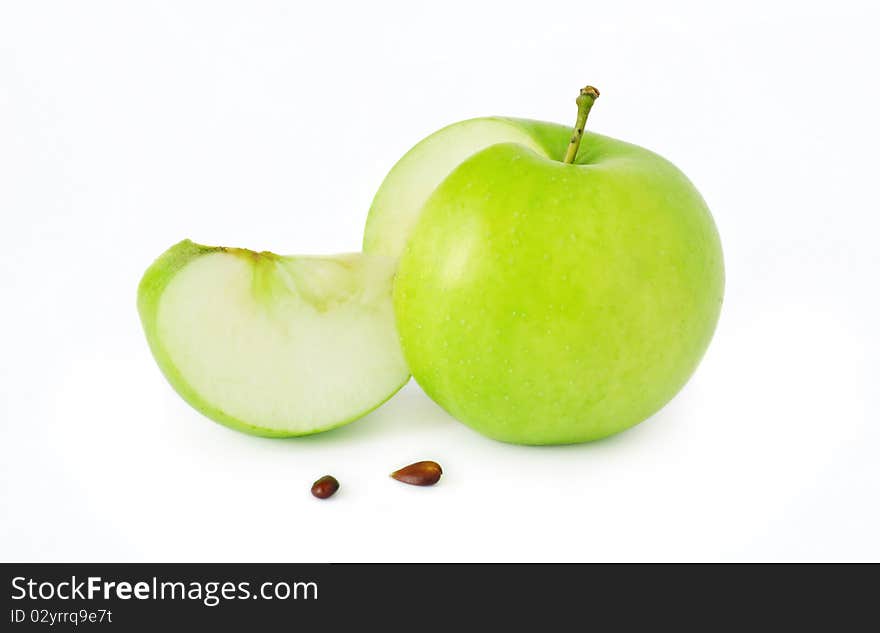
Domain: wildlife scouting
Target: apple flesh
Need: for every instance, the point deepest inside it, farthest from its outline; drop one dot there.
(398, 202)
(541, 302)
(271, 345)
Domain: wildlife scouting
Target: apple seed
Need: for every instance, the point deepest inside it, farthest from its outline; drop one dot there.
(425, 473)
(325, 487)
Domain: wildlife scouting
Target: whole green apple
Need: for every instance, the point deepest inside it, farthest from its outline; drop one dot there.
(547, 295)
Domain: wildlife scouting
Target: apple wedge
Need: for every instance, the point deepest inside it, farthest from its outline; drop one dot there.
(273, 345)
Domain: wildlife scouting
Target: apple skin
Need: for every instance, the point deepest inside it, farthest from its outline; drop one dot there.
(546, 303)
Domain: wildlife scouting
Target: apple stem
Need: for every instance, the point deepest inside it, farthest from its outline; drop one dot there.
(584, 102)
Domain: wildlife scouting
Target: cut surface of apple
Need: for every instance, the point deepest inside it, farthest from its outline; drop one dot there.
(399, 201)
(273, 345)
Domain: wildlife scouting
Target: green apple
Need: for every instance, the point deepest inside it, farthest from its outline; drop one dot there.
(271, 345)
(547, 295)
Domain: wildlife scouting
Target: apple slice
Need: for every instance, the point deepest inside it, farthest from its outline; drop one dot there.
(272, 345)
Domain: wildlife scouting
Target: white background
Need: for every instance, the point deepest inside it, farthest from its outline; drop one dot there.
(125, 127)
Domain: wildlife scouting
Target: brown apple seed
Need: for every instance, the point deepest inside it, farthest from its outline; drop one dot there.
(325, 487)
(419, 474)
